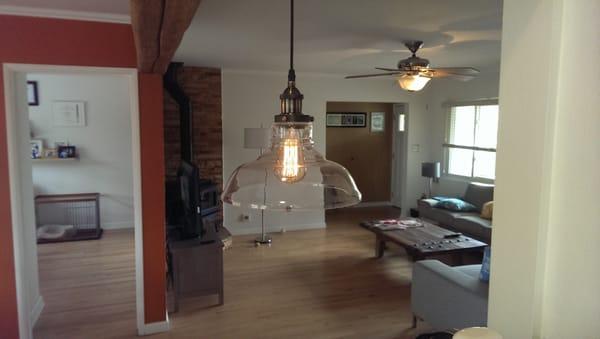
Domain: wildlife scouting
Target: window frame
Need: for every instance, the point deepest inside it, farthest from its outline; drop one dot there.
(446, 145)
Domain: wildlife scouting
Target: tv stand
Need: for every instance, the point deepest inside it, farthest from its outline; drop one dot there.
(197, 269)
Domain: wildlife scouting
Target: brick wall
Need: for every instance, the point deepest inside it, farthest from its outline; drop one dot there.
(203, 86)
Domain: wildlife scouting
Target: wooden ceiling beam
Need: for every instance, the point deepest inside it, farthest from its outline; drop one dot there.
(158, 28)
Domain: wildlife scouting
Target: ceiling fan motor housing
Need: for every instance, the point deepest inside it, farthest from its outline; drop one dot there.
(414, 63)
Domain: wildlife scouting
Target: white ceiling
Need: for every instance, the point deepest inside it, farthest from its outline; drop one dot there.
(343, 36)
(332, 36)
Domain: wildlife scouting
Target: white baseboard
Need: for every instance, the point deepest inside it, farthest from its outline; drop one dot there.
(153, 328)
(36, 311)
(256, 229)
(373, 204)
(117, 225)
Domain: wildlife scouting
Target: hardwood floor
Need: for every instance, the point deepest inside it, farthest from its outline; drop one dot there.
(88, 287)
(321, 283)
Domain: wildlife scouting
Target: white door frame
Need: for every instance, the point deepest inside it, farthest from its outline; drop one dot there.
(10, 71)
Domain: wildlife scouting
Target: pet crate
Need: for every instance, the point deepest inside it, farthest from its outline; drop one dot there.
(67, 217)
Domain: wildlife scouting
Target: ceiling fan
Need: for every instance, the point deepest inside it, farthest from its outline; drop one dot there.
(414, 72)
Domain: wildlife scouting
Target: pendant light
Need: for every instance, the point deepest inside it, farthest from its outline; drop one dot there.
(292, 175)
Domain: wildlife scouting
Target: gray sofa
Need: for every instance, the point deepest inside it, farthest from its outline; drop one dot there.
(448, 297)
(468, 223)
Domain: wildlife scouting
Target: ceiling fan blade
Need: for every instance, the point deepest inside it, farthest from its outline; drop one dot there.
(457, 73)
(457, 77)
(371, 75)
(387, 69)
(441, 71)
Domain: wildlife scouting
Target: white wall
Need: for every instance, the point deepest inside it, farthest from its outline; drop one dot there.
(252, 98)
(544, 269)
(104, 144)
(441, 92)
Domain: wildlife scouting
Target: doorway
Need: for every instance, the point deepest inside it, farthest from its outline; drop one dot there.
(37, 167)
(365, 148)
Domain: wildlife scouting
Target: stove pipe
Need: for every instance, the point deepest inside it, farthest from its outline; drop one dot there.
(185, 110)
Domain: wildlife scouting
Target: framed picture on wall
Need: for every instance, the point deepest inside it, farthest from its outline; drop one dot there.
(33, 98)
(346, 119)
(68, 113)
(377, 121)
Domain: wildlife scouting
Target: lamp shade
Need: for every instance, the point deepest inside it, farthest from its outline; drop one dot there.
(291, 175)
(257, 138)
(431, 170)
(413, 83)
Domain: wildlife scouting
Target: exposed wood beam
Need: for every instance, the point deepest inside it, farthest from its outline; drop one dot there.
(158, 28)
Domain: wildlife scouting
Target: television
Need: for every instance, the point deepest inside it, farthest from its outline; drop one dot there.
(200, 205)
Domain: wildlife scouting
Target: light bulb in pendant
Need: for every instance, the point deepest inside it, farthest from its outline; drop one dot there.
(290, 166)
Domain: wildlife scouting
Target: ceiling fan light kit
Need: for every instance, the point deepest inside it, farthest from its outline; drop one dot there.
(292, 175)
(413, 73)
(412, 83)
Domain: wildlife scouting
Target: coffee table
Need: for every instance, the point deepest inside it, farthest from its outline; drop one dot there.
(425, 241)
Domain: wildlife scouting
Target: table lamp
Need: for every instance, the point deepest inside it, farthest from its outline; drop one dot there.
(259, 138)
(431, 170)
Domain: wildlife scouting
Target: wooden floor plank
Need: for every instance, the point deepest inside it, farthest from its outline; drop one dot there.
(322, 283)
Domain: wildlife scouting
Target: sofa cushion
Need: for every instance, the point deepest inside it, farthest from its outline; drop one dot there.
(478, 194)
(456, 205)
(470, 270)
(487, 210)
(427, 202)
(484, 275)
(473, 225)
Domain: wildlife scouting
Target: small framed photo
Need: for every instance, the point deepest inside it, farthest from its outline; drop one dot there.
(50, 153)
(377, 121)
(37, 149)
(65, 152)
(33, 98)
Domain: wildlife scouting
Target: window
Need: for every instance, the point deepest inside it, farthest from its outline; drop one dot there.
(401, 122)
(471, 141)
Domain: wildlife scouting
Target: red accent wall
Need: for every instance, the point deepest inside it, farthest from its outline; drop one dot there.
(83, 43)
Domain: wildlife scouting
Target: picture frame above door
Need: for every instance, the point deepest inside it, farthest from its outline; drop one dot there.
(339, 119)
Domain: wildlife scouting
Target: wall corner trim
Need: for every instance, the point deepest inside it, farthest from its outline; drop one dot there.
(157, 327)
(36, 311)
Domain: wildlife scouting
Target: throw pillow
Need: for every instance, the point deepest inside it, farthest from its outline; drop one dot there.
(484, 274)
(456, 205)
(487, 210)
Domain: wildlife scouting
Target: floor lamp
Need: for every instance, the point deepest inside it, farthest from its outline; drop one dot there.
(259, 138)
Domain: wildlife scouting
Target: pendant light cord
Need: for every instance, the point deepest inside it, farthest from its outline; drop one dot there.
(291, 73)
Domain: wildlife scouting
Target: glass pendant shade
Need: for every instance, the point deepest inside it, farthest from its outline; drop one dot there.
(291, 176)
(413, 83)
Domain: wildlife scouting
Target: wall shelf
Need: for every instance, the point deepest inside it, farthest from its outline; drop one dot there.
(54, 159)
